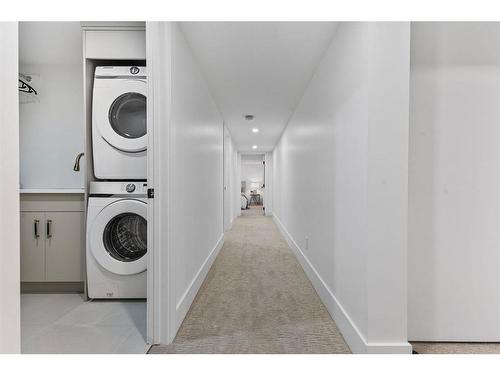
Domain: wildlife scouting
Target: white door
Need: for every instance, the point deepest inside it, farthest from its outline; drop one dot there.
(158, 52)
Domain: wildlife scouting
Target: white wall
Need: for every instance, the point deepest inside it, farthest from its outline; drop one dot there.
(10, 309)
(340, 183)
(196, 190)
(51, 129)
(454, 200)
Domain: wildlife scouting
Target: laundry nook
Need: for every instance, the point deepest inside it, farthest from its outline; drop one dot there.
(83, 187)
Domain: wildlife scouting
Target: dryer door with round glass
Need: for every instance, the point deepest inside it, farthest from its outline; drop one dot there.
(121, 113)
(118, 237)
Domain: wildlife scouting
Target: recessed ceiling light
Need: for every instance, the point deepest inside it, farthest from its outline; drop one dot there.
(254, 147)
(255, 130)
(249, 117)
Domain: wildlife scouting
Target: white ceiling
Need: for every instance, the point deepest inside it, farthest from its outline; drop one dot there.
(258, 68)
(50, 43)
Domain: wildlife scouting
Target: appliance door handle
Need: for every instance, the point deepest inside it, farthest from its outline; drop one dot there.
(36, 222)
(49, 228)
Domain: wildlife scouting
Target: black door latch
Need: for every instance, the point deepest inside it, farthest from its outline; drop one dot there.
(151, 193)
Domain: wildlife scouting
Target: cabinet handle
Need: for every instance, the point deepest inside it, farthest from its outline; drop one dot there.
(35, 225)
(49, 228)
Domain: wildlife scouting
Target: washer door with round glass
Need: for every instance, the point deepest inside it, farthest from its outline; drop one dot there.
(118, 237)
(122, 114)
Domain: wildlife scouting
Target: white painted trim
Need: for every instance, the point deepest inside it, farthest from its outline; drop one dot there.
(151, 307)
(352, 335)
(268, 183)
(227, 215)
(10, 305)
(187, 298)
(158, 57)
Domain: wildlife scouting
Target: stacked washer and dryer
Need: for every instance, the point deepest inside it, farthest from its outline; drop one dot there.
(117, 205)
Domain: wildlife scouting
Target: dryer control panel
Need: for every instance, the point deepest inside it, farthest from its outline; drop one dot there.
(114, 72)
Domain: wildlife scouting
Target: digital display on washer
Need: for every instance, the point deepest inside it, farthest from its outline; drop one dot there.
(125, 237)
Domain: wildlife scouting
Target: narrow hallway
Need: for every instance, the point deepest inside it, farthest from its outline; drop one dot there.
(256, 299)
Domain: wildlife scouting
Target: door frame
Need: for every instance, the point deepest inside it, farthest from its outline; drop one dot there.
(159, 286)
(268, 183)
(226, 173)
(10, 279)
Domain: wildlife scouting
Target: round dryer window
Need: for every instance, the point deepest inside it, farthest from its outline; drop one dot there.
(125, 237)
(127, 115)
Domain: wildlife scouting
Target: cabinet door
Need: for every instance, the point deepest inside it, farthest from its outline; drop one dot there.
(64, 250)
(32, 246)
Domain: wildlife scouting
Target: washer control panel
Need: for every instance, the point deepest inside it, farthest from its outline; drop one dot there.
(104, 188)
(135, 187)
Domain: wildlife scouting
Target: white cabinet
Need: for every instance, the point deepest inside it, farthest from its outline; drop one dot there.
(114, 40)
(110, 44)
(51, 246)
(32, 246)
(63, 246)
(52, 241)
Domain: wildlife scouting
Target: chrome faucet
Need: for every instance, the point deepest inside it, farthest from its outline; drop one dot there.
(76, 167)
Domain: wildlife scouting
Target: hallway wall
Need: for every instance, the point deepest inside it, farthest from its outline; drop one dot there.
(196, 142)
(454, 201)
(340, 183)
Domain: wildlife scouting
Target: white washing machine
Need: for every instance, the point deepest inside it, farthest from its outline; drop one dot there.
(117, 240)
(119, 130)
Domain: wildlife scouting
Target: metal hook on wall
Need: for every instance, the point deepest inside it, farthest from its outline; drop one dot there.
(24, 86)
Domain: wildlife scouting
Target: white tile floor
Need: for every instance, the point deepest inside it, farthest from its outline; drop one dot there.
(65, 323)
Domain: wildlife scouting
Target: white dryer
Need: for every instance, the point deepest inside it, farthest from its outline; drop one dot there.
(117, 240)
(119, 129)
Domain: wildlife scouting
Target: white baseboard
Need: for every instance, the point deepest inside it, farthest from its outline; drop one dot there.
(352, 335)
(187, 298)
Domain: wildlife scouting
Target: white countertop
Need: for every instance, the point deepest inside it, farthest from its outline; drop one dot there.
(52, 191)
